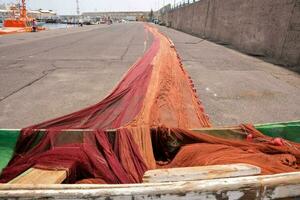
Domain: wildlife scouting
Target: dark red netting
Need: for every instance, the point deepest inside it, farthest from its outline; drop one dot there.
(85, 155)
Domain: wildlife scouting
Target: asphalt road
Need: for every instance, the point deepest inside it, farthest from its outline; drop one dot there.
(48, 74)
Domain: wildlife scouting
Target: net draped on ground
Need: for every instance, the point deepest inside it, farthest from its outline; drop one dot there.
(150, 110)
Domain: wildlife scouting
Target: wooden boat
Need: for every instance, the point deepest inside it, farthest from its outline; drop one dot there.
(234, 181)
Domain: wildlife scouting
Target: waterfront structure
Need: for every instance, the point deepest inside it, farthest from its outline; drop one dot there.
(126, 15)
(7, 11)
(42, 14)
(70, 19)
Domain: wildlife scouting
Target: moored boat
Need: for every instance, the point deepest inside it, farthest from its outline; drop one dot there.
(20, 23)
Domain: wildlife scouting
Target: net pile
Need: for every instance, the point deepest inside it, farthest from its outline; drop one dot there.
(151, 110)
(193, 149)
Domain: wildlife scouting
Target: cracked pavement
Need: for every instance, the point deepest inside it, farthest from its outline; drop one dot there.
(48, 74)
(52, 73)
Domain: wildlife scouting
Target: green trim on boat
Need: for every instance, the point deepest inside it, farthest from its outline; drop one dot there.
(8, 140)
(286, 130)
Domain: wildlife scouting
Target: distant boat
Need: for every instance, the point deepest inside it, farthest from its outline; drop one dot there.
(21, 23)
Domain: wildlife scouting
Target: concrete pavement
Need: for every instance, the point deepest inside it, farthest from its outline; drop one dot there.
(237, 88)
(48, 74)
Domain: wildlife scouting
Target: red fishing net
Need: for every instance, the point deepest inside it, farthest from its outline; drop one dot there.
(183, 148)
(155, 93)
(83, 155)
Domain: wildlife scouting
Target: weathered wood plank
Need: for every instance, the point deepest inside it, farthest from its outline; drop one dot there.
(200, 173)
(39, 176)
(277, 186)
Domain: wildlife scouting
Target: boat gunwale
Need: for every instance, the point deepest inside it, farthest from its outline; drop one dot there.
(278, 186)
(229, 127)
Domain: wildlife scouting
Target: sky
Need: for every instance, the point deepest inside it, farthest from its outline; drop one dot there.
(69, 6)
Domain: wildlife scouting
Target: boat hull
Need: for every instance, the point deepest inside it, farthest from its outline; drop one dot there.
(285, 130)
(278, 186)
(15, 23)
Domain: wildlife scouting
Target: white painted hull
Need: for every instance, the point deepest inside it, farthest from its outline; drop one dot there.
(277, 186)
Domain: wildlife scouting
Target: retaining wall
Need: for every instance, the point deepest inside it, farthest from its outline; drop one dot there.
(268, 28)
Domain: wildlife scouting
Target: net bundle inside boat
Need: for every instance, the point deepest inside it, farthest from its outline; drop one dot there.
(143, 124)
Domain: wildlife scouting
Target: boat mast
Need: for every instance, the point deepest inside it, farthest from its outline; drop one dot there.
(23, 11)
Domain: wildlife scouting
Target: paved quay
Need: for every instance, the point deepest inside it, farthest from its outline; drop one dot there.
(48, 74)
(236, 88)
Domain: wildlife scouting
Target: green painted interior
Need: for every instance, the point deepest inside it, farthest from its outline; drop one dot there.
(286, 130)
(8, 139)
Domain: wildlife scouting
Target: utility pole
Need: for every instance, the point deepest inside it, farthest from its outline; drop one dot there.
(77, 10)
(78, 13)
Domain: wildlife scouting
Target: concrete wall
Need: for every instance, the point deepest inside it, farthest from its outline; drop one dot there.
(260, 27)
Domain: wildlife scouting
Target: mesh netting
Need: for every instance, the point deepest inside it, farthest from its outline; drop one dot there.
(183, 148)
